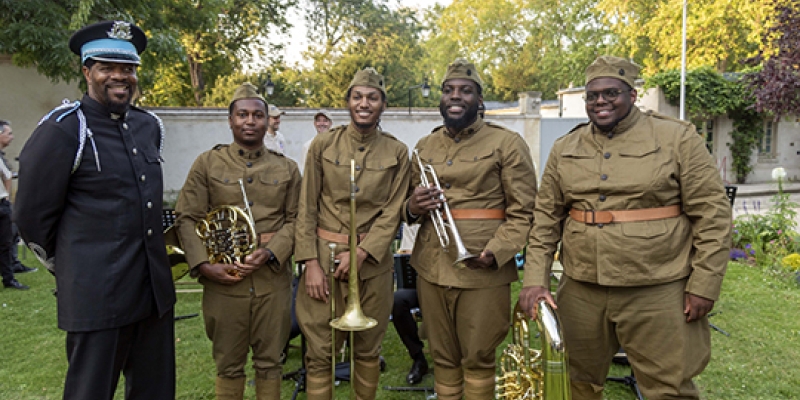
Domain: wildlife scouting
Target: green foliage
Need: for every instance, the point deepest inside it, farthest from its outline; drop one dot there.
(710, 94)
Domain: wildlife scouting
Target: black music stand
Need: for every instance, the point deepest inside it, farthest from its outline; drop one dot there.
(299, 375)
(629, 380)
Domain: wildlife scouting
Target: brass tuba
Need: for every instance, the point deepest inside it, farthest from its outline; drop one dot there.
(527, 373)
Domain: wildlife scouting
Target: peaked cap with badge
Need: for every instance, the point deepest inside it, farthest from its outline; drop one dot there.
(369, 77)
(247, 91)
(109, 41)
(613, 67)
(462, 69)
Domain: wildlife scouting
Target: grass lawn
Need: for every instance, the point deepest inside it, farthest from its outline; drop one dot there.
(759, 360)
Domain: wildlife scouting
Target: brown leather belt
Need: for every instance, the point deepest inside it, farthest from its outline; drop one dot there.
(341, 238)
(593, 217)
(477, 213)
(265, 237)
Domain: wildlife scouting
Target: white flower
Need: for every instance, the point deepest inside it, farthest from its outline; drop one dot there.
(778, 173)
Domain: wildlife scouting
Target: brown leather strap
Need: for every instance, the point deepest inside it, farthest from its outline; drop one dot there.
(341, 238)
(593, 217)
(265, 237)
(477, 213)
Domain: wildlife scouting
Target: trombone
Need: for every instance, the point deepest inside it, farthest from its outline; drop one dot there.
(438, 220)
(353, 318)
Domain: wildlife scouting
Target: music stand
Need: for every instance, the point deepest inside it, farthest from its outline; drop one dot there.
(299, 375)
(629, 380)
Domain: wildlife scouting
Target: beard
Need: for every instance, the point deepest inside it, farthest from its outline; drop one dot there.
(117, 106)
(470, 114)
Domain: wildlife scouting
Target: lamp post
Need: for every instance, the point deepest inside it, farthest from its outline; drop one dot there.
(426, 91)
(269, 87)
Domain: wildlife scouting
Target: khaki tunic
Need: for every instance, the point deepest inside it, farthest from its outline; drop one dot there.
(272, 183)
(484, 167)
(382, 168)
(649, 161)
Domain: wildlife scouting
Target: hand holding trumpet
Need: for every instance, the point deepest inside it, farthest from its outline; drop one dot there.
(425, 200)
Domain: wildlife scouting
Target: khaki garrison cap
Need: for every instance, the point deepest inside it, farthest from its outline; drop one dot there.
(369, 77)
(274, 111)
(247, 91)
(613, 67)
(461, 68)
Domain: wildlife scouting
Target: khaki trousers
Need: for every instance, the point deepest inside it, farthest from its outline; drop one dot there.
(648, 322)
(237, 324)
(464, 328)
(314, 317)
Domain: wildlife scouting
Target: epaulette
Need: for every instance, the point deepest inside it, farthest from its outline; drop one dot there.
(276, 153)
(498, 126)
(438, 128)
(220, 146)
(651, 113)
(160, 127)
(581, 125)
(83, 130)
(389, 135)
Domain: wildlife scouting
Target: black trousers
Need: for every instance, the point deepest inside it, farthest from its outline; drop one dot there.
(143, 351)
(5, 241)
(406, 300)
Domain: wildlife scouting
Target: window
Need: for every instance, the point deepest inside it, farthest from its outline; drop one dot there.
(706, 129)
(767, 146)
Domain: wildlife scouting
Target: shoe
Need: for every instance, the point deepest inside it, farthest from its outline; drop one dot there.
(14, 284)
(418, 370)
(21, 269)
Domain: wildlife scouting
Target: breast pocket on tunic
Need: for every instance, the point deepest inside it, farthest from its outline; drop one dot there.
(272, 189)
(224, 188)
(480, 167)
(378, 176)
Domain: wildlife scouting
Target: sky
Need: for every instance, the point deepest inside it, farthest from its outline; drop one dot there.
(296, 42)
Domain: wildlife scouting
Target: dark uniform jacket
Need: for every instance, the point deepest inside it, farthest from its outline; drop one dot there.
(272, 183)
(103, 226)
(486, 166)
(647, 161)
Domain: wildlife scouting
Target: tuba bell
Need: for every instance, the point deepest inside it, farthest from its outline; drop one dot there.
(527, 373)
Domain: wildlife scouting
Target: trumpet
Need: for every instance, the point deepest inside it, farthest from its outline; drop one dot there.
(437, 219)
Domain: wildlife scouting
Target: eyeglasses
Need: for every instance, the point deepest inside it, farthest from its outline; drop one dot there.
(608, 94)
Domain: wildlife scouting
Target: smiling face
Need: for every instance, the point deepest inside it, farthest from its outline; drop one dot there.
(605, 113)
(460, 103)
(322, 123)
(6, 136)
(248, 121)
(366, 104)
(111, 84)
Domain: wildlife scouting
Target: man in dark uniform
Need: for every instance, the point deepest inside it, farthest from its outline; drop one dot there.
(89, 206)
(639, 208)
(249, 308)
(489, 181)
(324, 218)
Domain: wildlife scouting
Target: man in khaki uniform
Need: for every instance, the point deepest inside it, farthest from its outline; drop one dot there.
(245, 305)
(382, 168)
(644, 225)
(489, 181)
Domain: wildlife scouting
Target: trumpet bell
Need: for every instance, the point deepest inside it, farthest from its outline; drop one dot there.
(175, 255)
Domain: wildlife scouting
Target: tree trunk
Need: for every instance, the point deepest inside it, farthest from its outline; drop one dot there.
(198, 82)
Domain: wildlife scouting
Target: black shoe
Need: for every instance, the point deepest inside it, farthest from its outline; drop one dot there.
(21, 269)
(418, 370)
(14, 284)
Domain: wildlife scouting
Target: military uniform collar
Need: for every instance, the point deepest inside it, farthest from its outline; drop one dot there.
(627, 123)
(93, 105)
(361, 137)
(248, 154)
(468, 131)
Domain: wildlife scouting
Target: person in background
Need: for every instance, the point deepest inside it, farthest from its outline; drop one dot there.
(638, 206)
(6, 137)
(322, 123)
(245, 304)
(382, 167)
(6, 231)
(273, 139)
(89, 205)
(487, 176)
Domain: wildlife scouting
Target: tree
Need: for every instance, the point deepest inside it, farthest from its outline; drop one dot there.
(719, 33)
(190, 41)
(776, 87)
